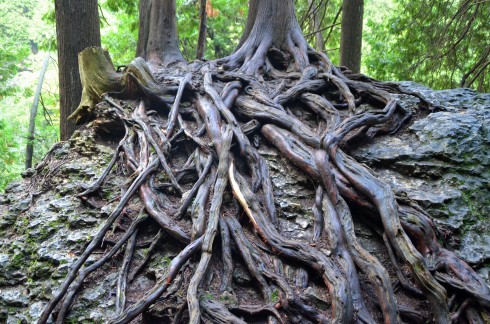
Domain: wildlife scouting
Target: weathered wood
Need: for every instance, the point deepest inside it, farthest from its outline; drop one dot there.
(99, 77)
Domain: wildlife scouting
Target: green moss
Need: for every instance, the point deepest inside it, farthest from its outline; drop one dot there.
(107, 194)
(228, 299)
(39, 270)
(166, 261)
(275, 296)
(206, 296)
(17, 260)
(473, 206)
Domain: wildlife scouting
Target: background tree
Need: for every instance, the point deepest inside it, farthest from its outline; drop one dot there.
(351, 34)
(320, 21)
(157, 38)
(224, 26)
(77, 27)
(201, 40)
(443, 44)
(316, 18)
(33, 114)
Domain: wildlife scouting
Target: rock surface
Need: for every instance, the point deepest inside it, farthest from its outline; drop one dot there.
(443, 162)
(440, 159)
(42, 234)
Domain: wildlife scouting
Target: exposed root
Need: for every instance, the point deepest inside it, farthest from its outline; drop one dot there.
(211, 228)
(73, 289)
(204, 184)
(249, 58)
(122, 280)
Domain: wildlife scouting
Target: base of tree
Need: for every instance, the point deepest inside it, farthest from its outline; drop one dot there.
(201, 179)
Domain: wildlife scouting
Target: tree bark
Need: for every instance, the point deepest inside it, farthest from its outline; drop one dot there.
(144, 27)
(275, 19)
(252, 14)
(201, 41)
(77, 27)
(274, 25)
(351, 34)
(157, 38)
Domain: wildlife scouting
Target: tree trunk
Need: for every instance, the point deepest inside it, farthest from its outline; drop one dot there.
(144, 27)
(275, 19)
(252, 14)
(351, 34)
(32, 118)
(157, 39)
(201, 41)
(77, 27)
(274, 25)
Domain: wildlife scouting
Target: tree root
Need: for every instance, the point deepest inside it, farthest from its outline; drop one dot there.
(205, 185)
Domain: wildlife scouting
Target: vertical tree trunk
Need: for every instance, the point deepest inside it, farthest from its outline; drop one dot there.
(351, 34)
(252, 14)
(77, 27)
(32, 117)
(144, 27)
(274, 20)
(273, 24)
(157, 39)
(201, 41)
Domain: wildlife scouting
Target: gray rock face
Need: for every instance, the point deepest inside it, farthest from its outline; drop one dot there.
(293, 193)
(439, 159)
(443, 162)
(42, 235)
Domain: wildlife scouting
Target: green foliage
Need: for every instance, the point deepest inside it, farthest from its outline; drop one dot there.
(443, 44)
(275, 296)
(225, 24)
(329, 17)
(119, 29)
(14, 39)
(9, 169)
(14, 120)
(129, 7)
(21, 30)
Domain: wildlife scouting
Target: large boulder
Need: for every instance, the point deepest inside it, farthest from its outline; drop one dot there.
(439, 159)
(442, 160)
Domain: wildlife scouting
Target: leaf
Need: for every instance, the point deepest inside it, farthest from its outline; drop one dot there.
(210, 11)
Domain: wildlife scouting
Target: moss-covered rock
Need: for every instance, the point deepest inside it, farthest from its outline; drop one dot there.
(442, 161)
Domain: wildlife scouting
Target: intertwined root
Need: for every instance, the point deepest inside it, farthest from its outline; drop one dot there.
(252, 55)
(203, 183)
